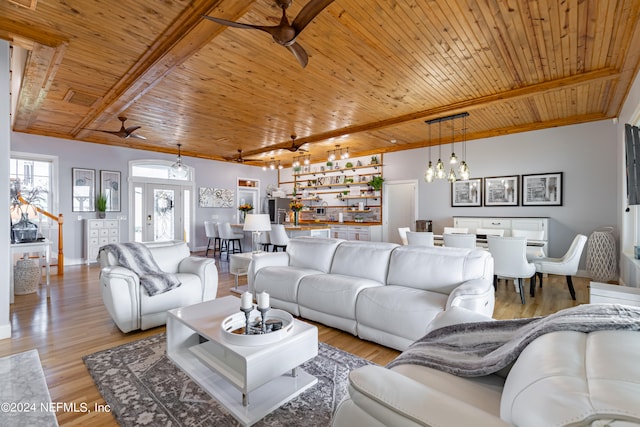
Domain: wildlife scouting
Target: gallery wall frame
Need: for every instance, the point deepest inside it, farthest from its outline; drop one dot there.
(501, 191)
(544, 189)
(110, 188)
(83, 190)
(466, 193)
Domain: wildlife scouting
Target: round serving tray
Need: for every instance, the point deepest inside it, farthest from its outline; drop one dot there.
(238, 320)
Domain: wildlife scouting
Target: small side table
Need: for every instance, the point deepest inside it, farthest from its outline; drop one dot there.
(239, 266)
(42, 247)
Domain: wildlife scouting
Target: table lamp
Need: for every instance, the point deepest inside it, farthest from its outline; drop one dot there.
(257, 223)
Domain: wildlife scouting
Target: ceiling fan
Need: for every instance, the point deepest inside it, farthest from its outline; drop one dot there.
(295, 147)
(123, 132)
(285, 33)
(241, 159)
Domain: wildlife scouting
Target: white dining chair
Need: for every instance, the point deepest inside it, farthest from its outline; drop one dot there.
(456, 230)
(419, 238)
(533, 252)
(278, 237)
(490, 232)
(510, 261)
(566, 265)
(457, 240)
(403, 234)
(211, 231)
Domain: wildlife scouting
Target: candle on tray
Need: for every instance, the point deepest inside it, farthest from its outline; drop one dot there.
(263, 300)
(246, 301)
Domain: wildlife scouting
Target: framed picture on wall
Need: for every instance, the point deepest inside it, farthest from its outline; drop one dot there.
(466, 193)
(110, 189)
(83, 190)
(542, 189)
(501, 191)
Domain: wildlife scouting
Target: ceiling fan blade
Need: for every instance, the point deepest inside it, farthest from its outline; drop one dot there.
(299, 52)
(308, 12)
(135, 136)
(132, 129)
(220, 21)
(117, 133)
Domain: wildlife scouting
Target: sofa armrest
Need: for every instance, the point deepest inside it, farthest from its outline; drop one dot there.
(395, 399)
(265, 259)
(205, 269)
(475, 295)
(120, 289)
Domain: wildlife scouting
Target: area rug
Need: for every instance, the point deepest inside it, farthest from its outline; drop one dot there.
(143, 387)
(24, 396)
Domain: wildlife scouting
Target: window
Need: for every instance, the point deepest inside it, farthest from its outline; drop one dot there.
(35, 175)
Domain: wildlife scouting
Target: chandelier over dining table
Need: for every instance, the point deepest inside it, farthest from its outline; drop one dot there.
(439, 171)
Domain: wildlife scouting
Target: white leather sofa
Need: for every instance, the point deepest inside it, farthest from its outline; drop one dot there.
(380, 292)
(129, 304)
(560, 379)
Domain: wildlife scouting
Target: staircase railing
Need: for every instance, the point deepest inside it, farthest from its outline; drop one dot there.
(59, 219)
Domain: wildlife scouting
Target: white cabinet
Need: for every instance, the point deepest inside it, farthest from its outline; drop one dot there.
(97, 233)
(507, 224)
(371, 233)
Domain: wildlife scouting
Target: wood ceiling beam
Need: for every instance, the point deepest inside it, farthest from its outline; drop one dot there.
(183, 38)
(445, 110)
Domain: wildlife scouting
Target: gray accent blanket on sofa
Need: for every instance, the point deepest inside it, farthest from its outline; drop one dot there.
(138, 258)
(482, 348)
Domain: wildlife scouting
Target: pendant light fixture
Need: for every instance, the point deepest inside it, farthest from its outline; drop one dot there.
(179, 169)
(439, 171)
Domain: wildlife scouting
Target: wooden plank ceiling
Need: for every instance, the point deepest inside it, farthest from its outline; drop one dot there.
(377, 70)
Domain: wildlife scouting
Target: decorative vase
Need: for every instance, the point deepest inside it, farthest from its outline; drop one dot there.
(295, 218)
(102, 214)
(24, 231)
(243, 217)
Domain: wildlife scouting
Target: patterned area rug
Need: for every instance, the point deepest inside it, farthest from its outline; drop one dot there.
(24, 395)
(143, 387)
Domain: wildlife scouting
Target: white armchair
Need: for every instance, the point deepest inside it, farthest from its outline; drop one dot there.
(130, 305)
(567, 265)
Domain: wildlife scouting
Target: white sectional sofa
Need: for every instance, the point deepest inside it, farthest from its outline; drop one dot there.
(380, 292)
(561, 378)
(129, 304)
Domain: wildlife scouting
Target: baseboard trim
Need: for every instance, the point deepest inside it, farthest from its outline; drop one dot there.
(5, 331)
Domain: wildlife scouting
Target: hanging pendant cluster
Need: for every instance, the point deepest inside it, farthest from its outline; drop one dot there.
(439, 172)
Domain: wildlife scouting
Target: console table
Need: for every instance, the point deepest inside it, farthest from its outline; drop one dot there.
(507, 224)
(41, 247)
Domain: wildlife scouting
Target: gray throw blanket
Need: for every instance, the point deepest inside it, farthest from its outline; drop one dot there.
(482, 348)
(137, 257)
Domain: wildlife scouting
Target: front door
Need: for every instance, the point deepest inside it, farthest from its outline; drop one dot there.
(158, 212)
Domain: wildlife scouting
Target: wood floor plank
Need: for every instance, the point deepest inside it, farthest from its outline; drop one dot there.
(75, 323)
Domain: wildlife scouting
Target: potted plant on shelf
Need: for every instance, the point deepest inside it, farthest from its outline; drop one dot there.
(376, 184)
(101, 205)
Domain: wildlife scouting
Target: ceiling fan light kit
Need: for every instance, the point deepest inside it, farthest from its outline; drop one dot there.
(285, 33)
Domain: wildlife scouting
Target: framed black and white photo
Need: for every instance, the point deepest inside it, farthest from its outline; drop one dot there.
(501, 191)
(542, 189)
(110, 189)
(83, 190)
(466, 193)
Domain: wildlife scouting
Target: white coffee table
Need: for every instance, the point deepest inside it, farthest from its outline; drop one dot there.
(249, 381)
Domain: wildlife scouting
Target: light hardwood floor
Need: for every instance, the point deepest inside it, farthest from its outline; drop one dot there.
(74, 323)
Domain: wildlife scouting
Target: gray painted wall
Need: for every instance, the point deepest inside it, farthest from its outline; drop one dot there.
(585, 153)
(71, 154)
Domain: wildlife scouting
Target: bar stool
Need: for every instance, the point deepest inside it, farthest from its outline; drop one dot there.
(231, 242)
(211, 231)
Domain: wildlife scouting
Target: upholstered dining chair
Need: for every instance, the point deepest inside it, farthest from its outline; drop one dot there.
(566, 265)
(211, 231)
(510, 261)
(403, 234)
(456, 230)
(490, 232)
(278, 237)
(419, 238)
(533, 252)
(456, 240)
(265, 241)
(231, 242)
